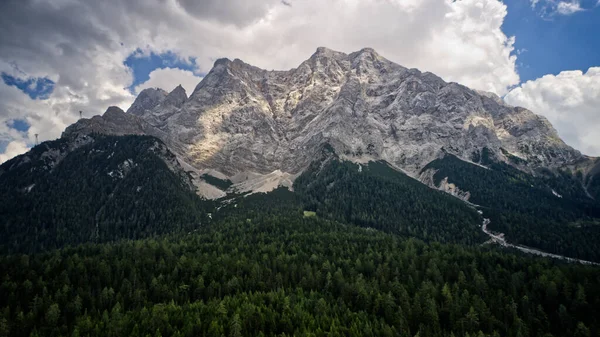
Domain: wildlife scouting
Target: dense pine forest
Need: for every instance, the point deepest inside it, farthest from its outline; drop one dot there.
(549, 212)
(378, 196)
(281, 274)
(109, 188)
(593, 181)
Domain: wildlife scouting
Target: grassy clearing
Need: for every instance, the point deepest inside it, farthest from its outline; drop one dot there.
(308, 214)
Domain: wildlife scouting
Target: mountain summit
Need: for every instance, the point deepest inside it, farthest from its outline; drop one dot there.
(243, 120)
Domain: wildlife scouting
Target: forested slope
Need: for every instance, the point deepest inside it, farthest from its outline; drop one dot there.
(551, 212)
(105, 189)
(279, 273)
(378, 196)
(593, 181)
(258, 265)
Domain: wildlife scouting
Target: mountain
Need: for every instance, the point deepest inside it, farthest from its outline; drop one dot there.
(244, 120)
(94, 188)
(147, 100)
(353, 197)
(114, 122)
(248, 130)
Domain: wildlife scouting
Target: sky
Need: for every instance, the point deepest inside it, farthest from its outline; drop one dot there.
(59, 57)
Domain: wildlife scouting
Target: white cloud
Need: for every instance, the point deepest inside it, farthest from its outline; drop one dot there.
(550, 8)
(458, 40)
(13, 149)
(81, 45)
(568, 8)
(168, 78)
(570, 101)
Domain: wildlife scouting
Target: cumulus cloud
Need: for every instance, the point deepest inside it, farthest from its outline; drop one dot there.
(570, 101)
(458, 40)
(169, 78)
(13, 149)
(81, 45)
(39, 114)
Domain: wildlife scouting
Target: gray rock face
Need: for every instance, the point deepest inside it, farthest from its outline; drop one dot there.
(241, 118)
(147, 100)
(114, 122)
(175, 98)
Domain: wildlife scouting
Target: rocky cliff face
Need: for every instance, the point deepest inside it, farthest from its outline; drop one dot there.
(244, 119)
(147, 100)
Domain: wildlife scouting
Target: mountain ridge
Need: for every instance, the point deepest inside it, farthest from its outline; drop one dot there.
(241, 118)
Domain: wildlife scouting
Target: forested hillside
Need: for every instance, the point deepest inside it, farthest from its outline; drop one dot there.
(108, 188)
(378, 196)
(550, 212)
(114, 187)
(336, 257)
(593, 181)
(280, 273)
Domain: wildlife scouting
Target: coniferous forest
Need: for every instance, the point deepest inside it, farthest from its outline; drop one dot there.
(376, 195)
(108, 189)
(280, 273)
(550, 213)
(354, 250)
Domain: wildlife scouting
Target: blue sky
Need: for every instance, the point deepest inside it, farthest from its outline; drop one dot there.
(556, 43)
(35, 87)
(142, 65)
(19, 125)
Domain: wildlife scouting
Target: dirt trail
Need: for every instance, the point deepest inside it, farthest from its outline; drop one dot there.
(499, 239)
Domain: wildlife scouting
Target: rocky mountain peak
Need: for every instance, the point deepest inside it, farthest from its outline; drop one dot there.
(365, 53)
(368, 50)
(113, 122)
(323, 52)
(147, 100)
(176, 97)
(241, 118)
(221, 61)
(114, 112)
